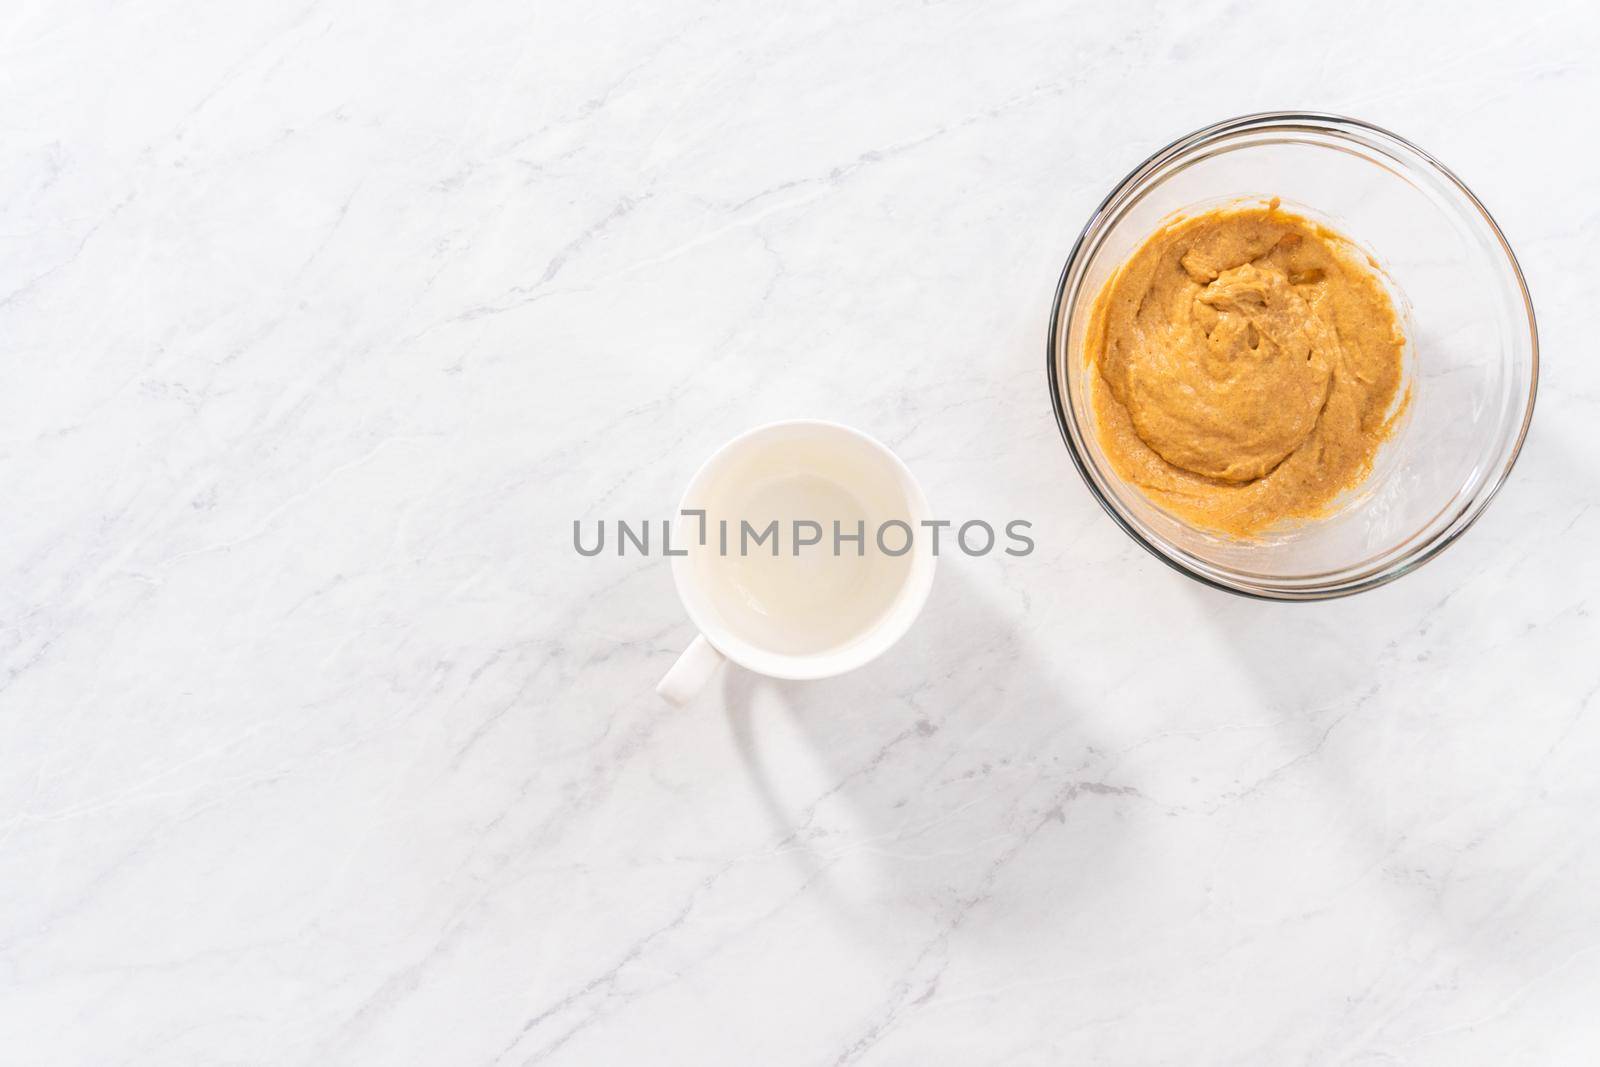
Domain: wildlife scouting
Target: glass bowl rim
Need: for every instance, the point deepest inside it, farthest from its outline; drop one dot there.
(1288, 121)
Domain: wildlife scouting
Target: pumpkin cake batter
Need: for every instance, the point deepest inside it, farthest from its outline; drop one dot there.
(1243, 367)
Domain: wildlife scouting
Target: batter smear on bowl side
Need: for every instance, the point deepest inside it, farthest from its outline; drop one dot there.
(1244, 366)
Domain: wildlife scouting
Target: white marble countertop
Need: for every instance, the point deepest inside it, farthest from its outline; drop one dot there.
(319, 744)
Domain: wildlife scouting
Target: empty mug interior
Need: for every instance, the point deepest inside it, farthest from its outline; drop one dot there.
(812, 560)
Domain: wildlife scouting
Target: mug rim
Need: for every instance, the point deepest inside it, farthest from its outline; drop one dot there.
(859, 650)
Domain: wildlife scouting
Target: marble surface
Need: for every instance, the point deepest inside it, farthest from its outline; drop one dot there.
(319, 744)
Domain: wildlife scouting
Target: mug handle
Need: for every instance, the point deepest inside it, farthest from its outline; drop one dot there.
(693, 670)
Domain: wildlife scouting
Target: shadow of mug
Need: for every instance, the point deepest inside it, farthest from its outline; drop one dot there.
(916, 780)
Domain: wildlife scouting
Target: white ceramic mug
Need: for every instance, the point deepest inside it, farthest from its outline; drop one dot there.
(815, 609)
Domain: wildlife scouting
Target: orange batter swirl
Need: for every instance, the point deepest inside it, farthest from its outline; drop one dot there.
(1244, 367)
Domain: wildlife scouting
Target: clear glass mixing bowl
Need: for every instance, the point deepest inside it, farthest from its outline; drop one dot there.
(1472, 358)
